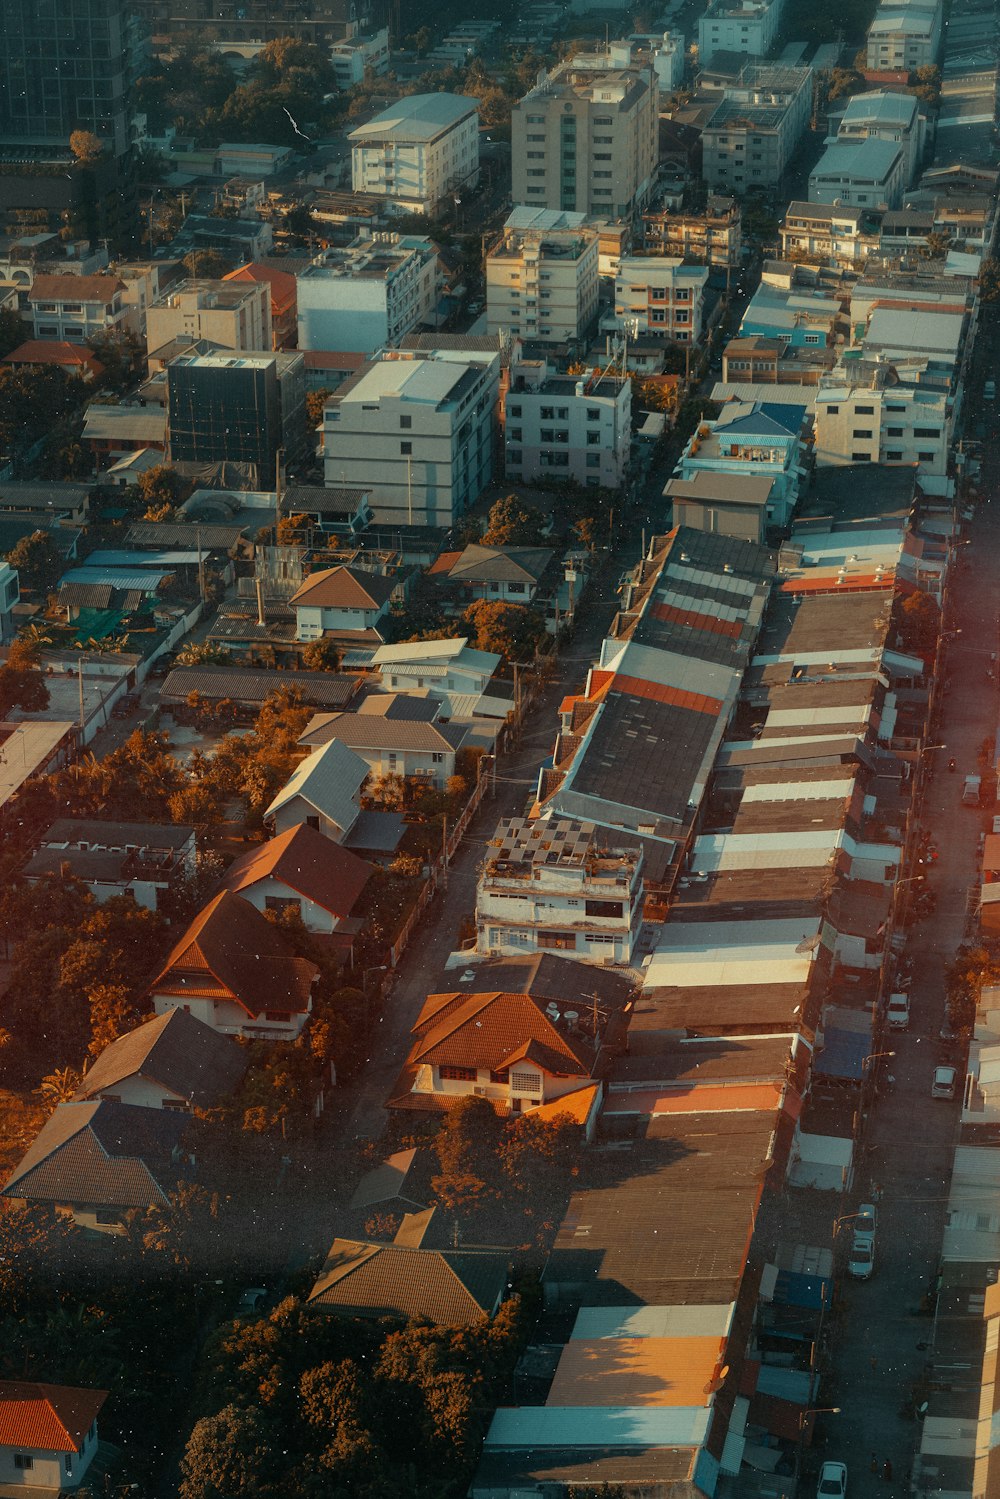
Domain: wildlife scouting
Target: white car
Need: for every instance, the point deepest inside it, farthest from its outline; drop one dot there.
(943, 1085)
(865, 1220)
(898, 1013)
(861, 1261)
(832, 1481)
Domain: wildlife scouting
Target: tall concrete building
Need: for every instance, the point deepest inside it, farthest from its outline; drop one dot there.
(752, 133)
(584, 139)
(369, 293)
(69, 65)
(417, 153)
(543, 284)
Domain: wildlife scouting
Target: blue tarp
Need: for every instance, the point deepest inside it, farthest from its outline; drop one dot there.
(794, 1289)
(843, 1054)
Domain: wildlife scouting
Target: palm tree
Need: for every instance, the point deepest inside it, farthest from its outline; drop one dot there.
(59, 1086)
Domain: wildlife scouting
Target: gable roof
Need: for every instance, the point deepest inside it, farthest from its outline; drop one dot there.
(387, 1182)
(761, 418)
(328, 689)
(343, 588)
(53, 1417)
(50, 351)
(388, 1280)
(376, 731)
(75, 289)
(101, 1153)
(231, 951)
(176, 1051)
(329, 780)
(400, 705)
(311, 865)
(490, 564)
(283, 286)
(494, 1030)
(548, 976)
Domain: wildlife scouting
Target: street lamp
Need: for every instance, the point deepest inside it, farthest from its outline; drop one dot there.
(874, 1056)
(817, 1410)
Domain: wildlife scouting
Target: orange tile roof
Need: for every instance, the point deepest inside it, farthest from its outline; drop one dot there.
(579, 1104)
(827, 583)
(55, 1418)
(70, 288)
(695, 1099)
(308, 863)
(45, 351)
(674, 696)
(284, 287)
(494, 1030)
(445, 562)
(230, 951)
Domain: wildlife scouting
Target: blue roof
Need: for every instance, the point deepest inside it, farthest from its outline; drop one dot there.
(843, 1054)
(768, 418)
(794, 1289)
(110, 558)
(145, 582)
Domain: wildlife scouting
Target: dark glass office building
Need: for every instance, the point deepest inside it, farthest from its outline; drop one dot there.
(225, 408)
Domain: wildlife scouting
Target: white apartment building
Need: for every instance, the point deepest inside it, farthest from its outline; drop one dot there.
(660, 297)
(885, 117)
(664, 51)
(232, 314)
(418, 430)
(868, 172)
(74, 308)
(567, 426)
(746, 26)
(840, 235)
(555, 886)
(418, 151)
(372, 293)
(904, 37)
(873, 411)
(752, 133)
(585, 138)
(543, 286)
(350, 60)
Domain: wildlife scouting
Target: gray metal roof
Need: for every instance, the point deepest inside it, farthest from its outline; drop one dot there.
(243, 685)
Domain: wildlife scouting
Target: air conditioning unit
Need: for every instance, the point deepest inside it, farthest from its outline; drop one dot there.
(479, 1092)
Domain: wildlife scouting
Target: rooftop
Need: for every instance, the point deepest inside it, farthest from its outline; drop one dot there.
(175, 1051)
(417, 117)
(868, 160)
(55, 1418)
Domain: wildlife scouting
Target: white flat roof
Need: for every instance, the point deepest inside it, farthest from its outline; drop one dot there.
(420, 117)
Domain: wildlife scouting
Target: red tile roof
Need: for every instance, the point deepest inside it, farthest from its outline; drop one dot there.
(674, 696)
(332, 359)
(494, 1030)
(45, 351)
(309, 864)
(709, 622)
(231, 951)
(343, 588)
(50, 1417)
(283, 286)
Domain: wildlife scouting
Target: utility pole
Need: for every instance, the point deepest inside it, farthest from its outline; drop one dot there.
(83, 716)
(201, 568)
(444, 853)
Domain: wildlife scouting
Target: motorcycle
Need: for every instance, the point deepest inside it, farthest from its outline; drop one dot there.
(951, 765)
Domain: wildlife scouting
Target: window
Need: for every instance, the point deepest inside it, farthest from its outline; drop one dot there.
(894, 456)
(547, 414)
(602, 155)
(106, 1217)
(593, 460)
(603, 174)
(276, 1017)
(926, 457)
(861, 458)
(458, 1074)
(69, 1465)
(513, 410)
(593, 413)
(603, 120)
(514, 458)
(894, 431)
(601, 192)
(24, 1461)
(524, 1082)
(282, 903)
(535, 139)
(864, 410)
(593, 439)
(517, 587)
(832, 410)
(600, 937)
(405, 422)
(603, 907)
(502, 1076)
(545, 435)
(514, 434)
(603, 140)
(862, 432)
(927, 431)
(535, 155)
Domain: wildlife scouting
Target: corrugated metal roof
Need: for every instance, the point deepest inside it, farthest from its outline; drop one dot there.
(654, 1321)
(539, 1427)
(143, 582)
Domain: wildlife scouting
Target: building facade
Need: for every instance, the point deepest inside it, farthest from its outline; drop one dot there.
(418, 152)
(903, 38)
(250, 22)
(659, 297)
(752, 133)
(372, 293)
(419, 430)
(749, 27)
(870, 411)
(585, 138)
(543, 285)
(713, 237)
(760, 439)
(886, 117)
(224, 409)
(567, 426)
(232, 314)
(841, 234)
(870, 173)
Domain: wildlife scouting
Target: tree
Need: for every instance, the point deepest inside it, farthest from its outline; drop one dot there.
(315, 401)
(976, 965)
(229, 1456)
(928, 85)
(35, 1250)
(208, 264)
(122, 356)
(112, 1014)
(919, 622)
(33, 401)
(936, 246)
(843, 82)
(321, 655)
(512, 523)
(86, 147)
(12, 331)
(21, 686)
(163, 485)
(387, 791)
(466, 1148)
(39, 562)
(989, 280)
(195, 805)
(202, 653)
(293, 529)
(59, 1086)
(510, 630)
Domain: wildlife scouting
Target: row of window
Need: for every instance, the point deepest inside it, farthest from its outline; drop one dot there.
(554, 413)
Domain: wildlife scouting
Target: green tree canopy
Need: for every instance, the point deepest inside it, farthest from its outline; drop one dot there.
(39, 562)
(513, 523)
(510, 630)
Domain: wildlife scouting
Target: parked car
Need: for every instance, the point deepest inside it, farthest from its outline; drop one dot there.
(861, 1260)
(943, 1085)
(990, 390)
(832, 1481)
(865, 1220)
(898, 1013)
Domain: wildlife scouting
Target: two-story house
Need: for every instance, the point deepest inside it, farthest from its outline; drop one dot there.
(509, 575)
(174, 1061)
(238, 972)
(112, 858)
(76, 308)
(340, 600)
(462, 680)
(302, 871)
(48, 1435)
(560, 886)
(322, 792)
(390, 745)
(761, 438)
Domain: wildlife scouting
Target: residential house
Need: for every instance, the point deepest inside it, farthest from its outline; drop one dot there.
(304, 872)
(710, 238)
(759, 360)
(567, 426)
(563, 886)
(869, 172)
(449, 1288)
(341, 600)
(238, 973)
(466, 682)
(145, 860)
(111, 433)
(173, 1061)
(75, 360)
(48, 503)
(760, 438)
(73, 309)
(519, 1051)
(322, 792)
(368, 294)
(48, 1436)
(723, 504)
(543, 285)
(99, 1160)
(657, 296)
(418, 428)
(802, 315)
(392, 745)
(842, 235)
(584, 139)
(501, 574)
(283, 289)
(418, 151)
(247, 689)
